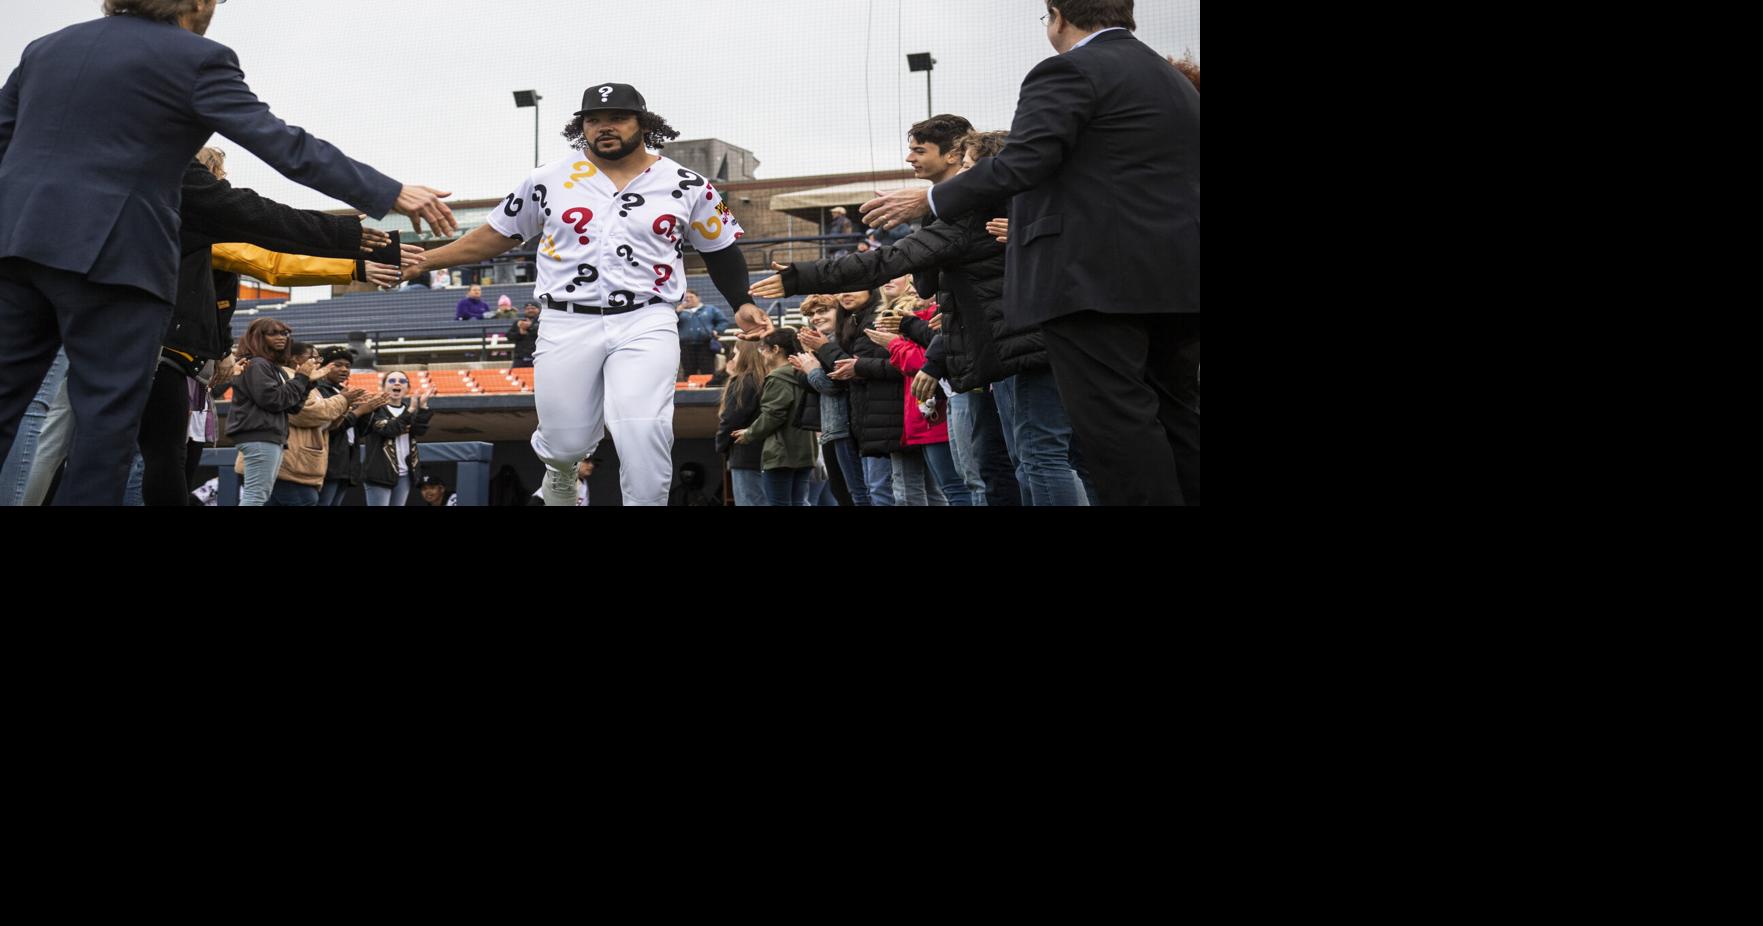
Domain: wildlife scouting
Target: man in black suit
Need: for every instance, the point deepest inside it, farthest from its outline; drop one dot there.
(97, 125)
(1104, 252)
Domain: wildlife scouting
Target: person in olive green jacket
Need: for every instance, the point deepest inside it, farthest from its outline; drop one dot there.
(789, 450)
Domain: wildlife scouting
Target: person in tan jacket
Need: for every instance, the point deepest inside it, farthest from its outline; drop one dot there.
(301, 474)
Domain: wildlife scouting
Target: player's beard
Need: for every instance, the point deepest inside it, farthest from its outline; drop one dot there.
(624, 149)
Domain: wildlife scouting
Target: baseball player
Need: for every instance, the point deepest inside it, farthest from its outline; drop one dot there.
(611, 223)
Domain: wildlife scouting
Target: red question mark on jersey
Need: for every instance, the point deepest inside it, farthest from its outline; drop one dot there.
(587, 215)
(663, 273)
(671, 221)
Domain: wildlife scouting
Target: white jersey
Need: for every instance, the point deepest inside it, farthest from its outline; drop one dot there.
(606, 247)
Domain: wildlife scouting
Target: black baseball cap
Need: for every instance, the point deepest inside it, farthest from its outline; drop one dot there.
(612, 96)
(432, 481)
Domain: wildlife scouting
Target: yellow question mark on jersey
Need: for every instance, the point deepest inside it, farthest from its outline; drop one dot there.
(577, 166)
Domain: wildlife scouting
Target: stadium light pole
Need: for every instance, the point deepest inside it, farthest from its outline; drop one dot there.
(923, 62)
(523, 99)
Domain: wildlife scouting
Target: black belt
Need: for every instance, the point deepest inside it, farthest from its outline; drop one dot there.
(586, 309)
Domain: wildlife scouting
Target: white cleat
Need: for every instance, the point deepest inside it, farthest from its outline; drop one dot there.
(559, 488)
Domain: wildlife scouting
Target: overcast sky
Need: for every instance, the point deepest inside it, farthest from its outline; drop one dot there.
(422, 89)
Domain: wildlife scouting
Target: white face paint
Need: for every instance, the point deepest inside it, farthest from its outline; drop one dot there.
(604, 93)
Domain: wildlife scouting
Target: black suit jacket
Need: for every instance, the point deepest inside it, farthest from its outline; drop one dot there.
(1104, 167)
(96, 126)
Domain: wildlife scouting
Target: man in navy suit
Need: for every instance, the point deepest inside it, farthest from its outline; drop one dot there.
(97, 125)
(1103, 177)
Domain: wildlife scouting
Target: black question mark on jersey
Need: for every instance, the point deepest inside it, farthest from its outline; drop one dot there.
(631, 201)
(619, 298)
(539, 193)
(511, 208)
(691, 180)
(679, 247)
(624, 251)
(586, 273)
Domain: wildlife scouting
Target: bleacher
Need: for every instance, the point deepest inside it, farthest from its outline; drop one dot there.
(420, 313)
(461, 382)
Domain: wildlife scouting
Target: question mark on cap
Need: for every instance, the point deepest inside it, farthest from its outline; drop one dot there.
(631, 201)
(605, 92)
(539, 193)
(580, 174)
(691, 180)
(671, 221)
(624, 251)
(587, 215)
(585, 274)
(663, 273)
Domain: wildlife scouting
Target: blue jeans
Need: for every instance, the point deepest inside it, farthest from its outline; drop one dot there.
(393, 496)
(909, 491)
(787, 488)
(878, 479)
(941, 462)
(1040, 437)
(292, 495)
(333, 492)
(960, 436)
(131, 496)
(262, 459)
(851, 464)
(16, 475)
(1083, 475)
(749, 488)
(989, 449)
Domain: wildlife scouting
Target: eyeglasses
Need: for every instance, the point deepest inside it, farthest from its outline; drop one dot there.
(1043, 18)
(396, 382)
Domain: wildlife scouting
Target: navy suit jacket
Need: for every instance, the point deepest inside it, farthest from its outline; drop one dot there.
(97, 124)
(1102, 171)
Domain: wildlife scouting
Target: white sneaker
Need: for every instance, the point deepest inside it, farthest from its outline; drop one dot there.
(559, 488)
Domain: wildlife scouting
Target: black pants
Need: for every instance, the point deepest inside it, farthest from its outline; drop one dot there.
(835, 478)
(1131, 386)
(192, 461)
(165, 438)
(112, 335)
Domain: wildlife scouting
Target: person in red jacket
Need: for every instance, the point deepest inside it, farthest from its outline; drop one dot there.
(927, 424)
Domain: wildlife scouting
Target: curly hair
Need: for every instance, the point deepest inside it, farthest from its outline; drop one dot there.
(656, 132)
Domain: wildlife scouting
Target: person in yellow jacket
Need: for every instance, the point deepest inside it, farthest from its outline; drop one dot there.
(185, 446)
